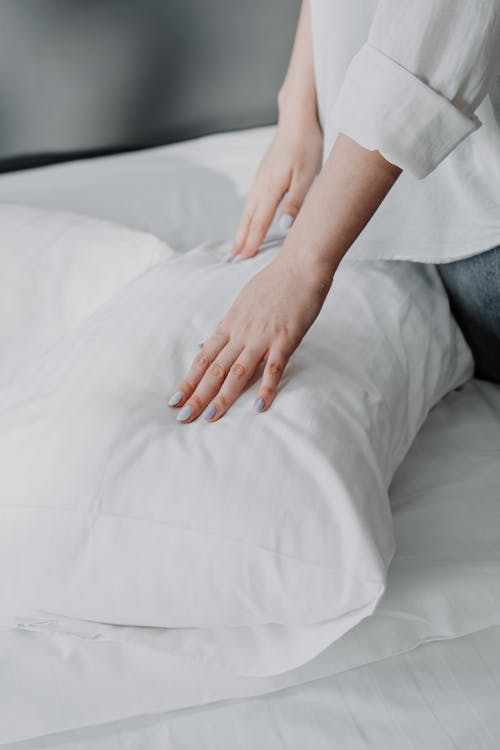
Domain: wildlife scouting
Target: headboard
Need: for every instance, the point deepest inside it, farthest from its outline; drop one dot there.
(82, 77)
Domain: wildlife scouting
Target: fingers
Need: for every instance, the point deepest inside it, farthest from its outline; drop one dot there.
(225, 378)
(257, 227)
(241, 233)
(210, 383)
(257, 217)
(202, 362)
(293, 200)
(257, 231)
(222, 383)
(273, 371)
(238, 376)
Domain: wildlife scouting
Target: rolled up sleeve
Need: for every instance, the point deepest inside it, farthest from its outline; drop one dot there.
(412, 90)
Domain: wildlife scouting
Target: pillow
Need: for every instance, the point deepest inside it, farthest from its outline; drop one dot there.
(159, 190)
(271, 529)
(57, 268)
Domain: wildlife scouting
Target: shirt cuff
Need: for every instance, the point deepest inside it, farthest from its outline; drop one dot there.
(384, 107)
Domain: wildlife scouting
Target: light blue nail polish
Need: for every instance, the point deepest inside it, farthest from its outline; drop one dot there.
(227, 257)
(260, 404)
(184, 413)
(237, 258)
(210, 411)
(286, 222)
(176, 398)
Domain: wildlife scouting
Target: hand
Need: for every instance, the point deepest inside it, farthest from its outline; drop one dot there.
(289, 166)
(266, 323)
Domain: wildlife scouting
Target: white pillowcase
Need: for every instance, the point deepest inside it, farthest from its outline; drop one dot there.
(161, 190)
(57, 268)
(274, 525)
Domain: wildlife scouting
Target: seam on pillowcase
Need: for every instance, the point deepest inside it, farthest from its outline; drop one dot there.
(95, 517)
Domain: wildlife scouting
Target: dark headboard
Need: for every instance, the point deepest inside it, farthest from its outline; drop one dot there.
(89, 76)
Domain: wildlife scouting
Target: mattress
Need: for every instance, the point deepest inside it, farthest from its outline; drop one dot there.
(424, 670)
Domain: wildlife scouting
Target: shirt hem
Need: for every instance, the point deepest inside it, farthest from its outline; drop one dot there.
(433, 258)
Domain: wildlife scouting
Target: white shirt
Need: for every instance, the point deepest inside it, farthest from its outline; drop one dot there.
(414, 79)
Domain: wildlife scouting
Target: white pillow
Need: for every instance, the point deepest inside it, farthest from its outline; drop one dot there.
(57, 268)
(158, 190)
(274, 525)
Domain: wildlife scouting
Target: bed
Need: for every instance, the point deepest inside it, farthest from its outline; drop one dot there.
(422, 671)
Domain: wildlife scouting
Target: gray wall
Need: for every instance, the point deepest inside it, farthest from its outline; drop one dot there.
(88, 75)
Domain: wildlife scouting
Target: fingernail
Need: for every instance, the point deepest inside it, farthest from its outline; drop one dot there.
(237, 258)
(286, 222)
(184, 413)
(210, 411)
(176, 398)
(260, 404)
(227, 257)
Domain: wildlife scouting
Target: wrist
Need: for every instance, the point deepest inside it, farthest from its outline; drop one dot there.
(311, 272)
(296, 108)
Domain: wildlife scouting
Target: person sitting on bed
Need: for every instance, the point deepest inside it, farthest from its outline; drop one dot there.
(387, 92)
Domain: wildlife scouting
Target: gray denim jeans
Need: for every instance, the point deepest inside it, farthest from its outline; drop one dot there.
(473, 287)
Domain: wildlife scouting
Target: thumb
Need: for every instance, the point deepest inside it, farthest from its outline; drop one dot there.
(292, 202)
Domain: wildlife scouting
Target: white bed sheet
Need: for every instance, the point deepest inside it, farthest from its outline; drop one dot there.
(444, 581)
(441, 696)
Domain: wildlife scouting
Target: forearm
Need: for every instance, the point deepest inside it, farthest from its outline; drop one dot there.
(350, 187)
(297, 95)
